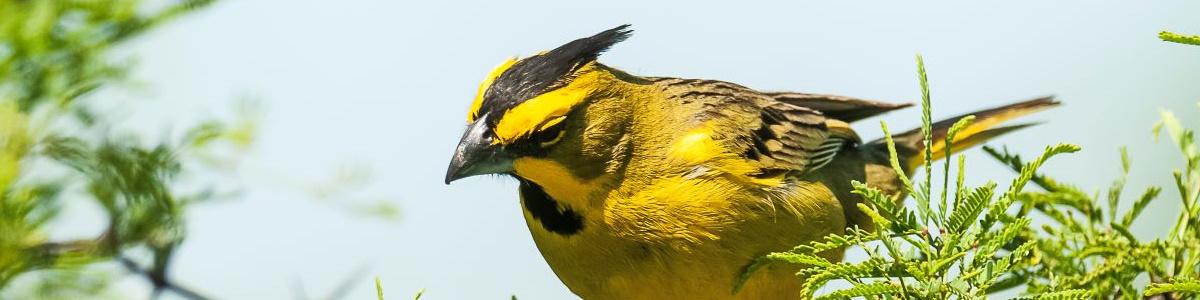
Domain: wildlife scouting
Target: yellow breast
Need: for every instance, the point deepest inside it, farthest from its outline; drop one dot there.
(682, 237)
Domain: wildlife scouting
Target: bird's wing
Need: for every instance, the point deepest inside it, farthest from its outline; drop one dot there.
(776, 136)
(842, 108)
(796, 139)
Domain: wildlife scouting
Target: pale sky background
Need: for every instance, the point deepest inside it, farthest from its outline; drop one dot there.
(384, 86)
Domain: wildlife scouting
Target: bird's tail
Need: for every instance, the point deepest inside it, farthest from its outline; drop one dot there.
(910, 145)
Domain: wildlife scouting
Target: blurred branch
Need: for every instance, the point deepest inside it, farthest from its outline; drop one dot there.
(168, 14)
(343, 288)
(158, 278)
(55, 249)
(53, 54)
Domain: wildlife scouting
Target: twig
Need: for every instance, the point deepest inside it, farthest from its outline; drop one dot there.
(160, 282)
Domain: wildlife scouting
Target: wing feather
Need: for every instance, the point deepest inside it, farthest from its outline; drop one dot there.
(842, 108)
(780, 137)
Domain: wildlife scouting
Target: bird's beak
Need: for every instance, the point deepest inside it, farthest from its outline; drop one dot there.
(477, 155)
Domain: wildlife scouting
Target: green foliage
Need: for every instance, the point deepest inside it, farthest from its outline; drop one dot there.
(972, 243)
(962, 249)
(53, 151)
(1087, 246)
(1177, 285)
(1179, 38)
(379, 289)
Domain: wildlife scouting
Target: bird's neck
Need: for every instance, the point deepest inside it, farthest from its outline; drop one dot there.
(599, 163)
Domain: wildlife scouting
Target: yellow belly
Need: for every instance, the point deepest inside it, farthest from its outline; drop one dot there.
(689, 239)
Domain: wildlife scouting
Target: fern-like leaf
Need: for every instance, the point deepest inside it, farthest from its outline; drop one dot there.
(1064, 295)
(1179, 38)
(870, 268)
(1189, 285)
(987, 251)
(879, 288)
(1028, 171)
(967, 209)
(1150, 194)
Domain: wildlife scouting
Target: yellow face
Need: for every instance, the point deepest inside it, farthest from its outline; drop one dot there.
(528, 129)
(540, 113)
(523, 107)
(528, 121)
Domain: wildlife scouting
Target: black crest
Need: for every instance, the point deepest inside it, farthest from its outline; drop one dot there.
(535, 75)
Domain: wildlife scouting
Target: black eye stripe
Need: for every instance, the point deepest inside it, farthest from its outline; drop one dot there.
(537, 143)
(548, 134)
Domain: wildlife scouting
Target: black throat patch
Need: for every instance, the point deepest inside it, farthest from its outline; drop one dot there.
(562, 221)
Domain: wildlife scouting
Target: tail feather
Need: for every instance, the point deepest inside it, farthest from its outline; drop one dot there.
(910, 145)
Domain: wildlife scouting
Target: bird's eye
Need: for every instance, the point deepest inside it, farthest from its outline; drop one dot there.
(549, 136)
(551, 142)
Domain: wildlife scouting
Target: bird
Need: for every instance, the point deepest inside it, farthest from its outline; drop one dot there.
(638, 187)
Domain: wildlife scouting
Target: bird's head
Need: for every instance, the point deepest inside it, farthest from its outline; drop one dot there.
(533, 108)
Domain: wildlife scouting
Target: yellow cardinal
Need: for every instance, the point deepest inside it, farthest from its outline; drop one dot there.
(666, 188)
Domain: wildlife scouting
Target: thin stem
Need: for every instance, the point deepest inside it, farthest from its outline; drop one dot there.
(160, 281)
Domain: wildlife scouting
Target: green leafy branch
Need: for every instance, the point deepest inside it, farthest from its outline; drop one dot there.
(961, 246)
(972, 243)
(54, 150)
